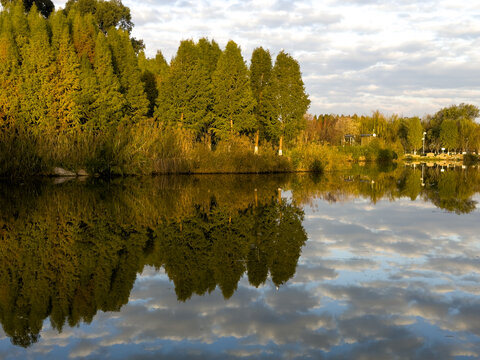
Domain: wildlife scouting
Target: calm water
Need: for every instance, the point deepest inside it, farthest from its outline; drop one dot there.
(365, 265)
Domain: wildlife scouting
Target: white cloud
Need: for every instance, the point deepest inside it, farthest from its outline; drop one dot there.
(403, 56)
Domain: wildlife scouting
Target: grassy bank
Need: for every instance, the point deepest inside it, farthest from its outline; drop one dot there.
(150, 148)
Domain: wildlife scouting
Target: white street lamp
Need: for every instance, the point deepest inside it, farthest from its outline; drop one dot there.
(423, 142)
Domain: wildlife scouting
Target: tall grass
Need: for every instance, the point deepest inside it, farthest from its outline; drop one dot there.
(150, 147)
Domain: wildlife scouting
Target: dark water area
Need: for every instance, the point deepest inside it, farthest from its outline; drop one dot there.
(376, 263)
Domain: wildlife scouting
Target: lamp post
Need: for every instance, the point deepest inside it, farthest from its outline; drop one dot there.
(423, 142)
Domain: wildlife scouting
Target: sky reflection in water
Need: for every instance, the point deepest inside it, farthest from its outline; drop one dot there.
(375, 279)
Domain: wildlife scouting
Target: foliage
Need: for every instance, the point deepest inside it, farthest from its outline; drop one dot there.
(386, 155)
(414, 133)
(290, 101)
(449, 134)
(107, 14)
(45, 7)
(233, 98)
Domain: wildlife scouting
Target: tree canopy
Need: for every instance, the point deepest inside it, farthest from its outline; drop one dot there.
(45, 7)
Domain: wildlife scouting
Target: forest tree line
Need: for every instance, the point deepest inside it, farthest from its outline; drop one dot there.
(77, 91)
(79, 70)
(453, 128)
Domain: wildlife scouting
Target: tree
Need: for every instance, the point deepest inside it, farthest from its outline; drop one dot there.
(37, 90)
(186, 94)
(414, 133)
(289, 98)
(153, 72)
(260, 76)
(126, 67)
(106, 13)
(45, 7)
(9, 74)
(110, 103)
(84, 35)
(467, 112)
(466, 133)
(65, 107)
(449, 134)
(208, 52)
(234, 102)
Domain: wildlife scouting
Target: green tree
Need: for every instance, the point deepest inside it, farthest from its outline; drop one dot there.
(153, 72)
(260, 76)
(126, 66)
(84, 35)
(37, 90)
(106, 13)
(234, 102)
(9, 74)
(456, 113)
(414, 133)
(45, 7)
(65, 92)
(290, 100)
(449, 134)
(110, 103)
(185, 96)
(208, 52)
(466, 128)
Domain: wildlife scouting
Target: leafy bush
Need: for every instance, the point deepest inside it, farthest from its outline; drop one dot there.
(386, 155)
(317, 167)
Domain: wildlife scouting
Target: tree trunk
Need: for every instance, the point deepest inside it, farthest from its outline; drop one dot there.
(256, 142)
(280, 147)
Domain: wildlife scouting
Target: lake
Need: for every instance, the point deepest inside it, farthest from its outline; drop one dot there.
(376, 263)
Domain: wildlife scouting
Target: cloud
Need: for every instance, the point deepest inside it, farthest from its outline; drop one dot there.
(356, 56)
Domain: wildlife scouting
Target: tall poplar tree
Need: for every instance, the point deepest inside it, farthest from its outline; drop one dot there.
(234, 101)
(414, 133)
(449, 134)
(289, 98)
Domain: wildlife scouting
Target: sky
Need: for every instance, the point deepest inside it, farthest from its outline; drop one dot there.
(406, 57)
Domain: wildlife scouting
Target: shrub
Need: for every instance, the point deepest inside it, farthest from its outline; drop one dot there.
(386, 155)
(317, 167)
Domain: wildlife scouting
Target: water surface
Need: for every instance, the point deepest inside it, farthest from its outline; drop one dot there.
(374, 263)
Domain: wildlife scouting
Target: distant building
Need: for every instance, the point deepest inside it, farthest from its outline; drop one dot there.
(365, 139)
(349, 139)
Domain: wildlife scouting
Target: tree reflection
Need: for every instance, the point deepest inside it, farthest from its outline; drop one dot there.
(68, 251)
(451, 189)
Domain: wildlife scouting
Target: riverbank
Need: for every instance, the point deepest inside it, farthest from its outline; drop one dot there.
(150, 148)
